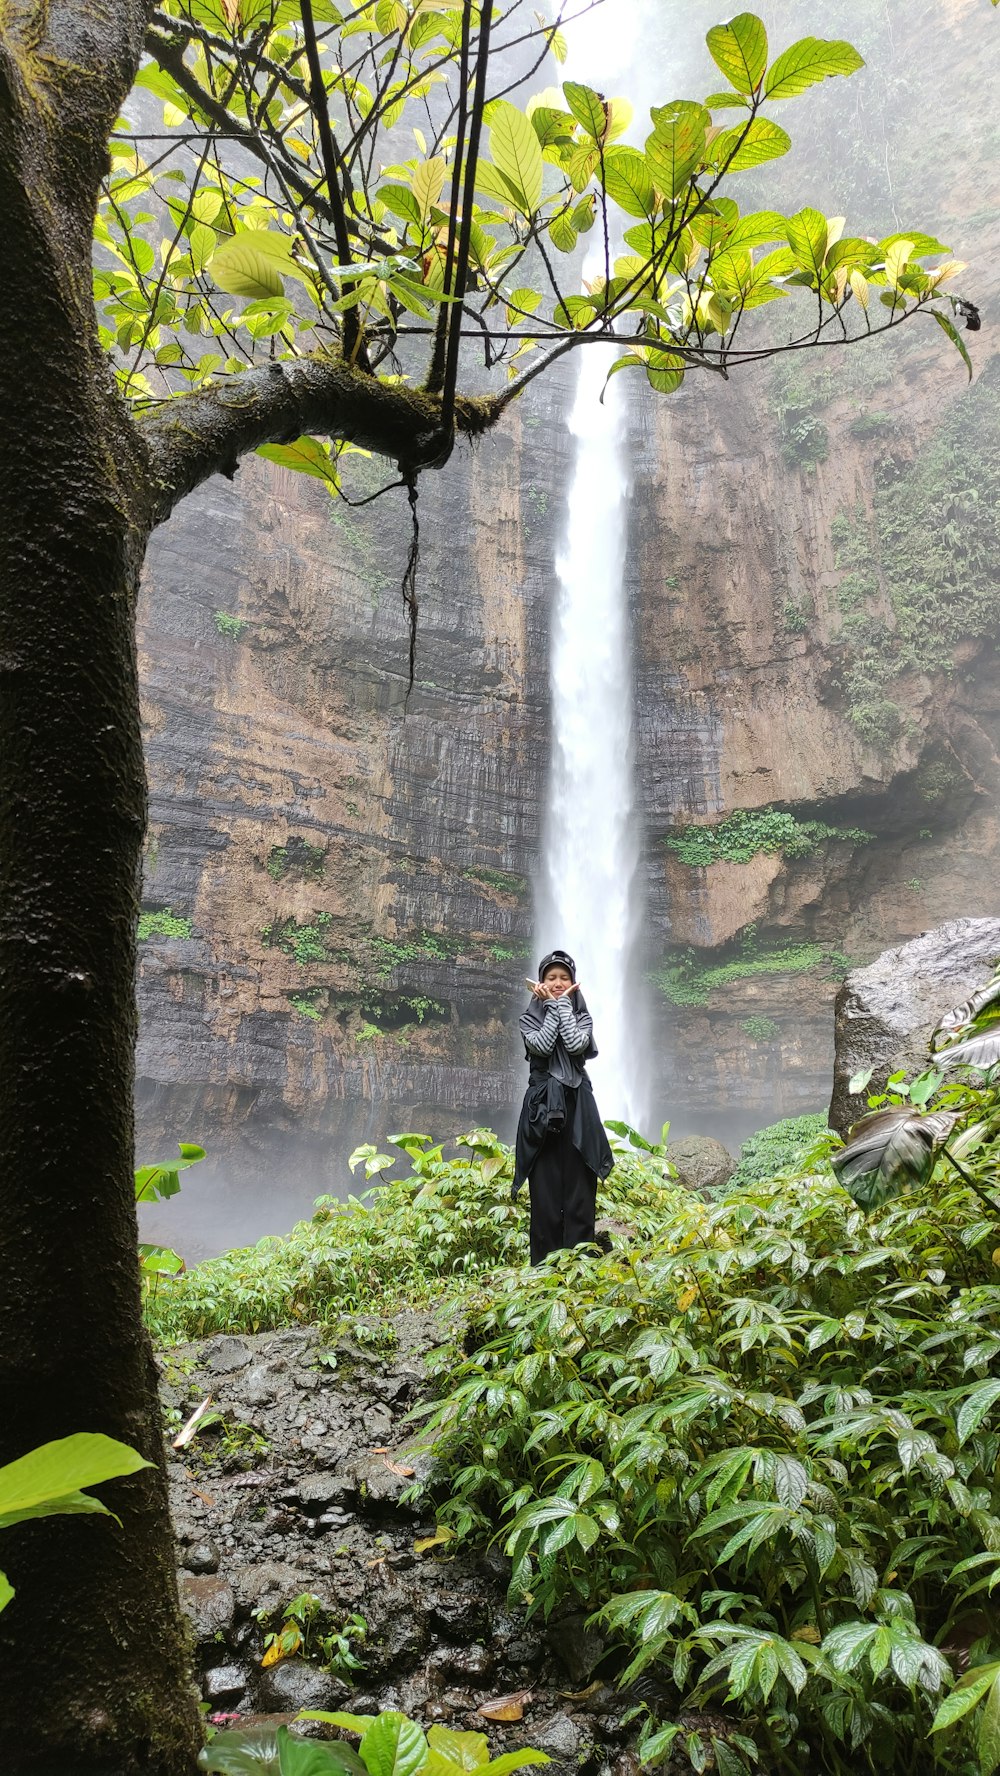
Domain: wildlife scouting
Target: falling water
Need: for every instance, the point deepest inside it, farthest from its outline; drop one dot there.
(587, 900)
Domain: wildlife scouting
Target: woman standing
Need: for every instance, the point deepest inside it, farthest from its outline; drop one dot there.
(561, 1148)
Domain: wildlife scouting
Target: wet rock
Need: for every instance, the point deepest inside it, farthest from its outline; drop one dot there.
(462, 1616)
(223, 1354)
(266, 1584)
(258, 1386)
(577, 1648)
(380, 1485)
(209, 1603)
(470, 1665)
(226, 1683)
(885, 1013)
(559, 1736)
(296, 1684)
(702, 1163)
(201, 1557)
(315, 1492)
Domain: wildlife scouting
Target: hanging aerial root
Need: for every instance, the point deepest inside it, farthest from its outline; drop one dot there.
(409, 584)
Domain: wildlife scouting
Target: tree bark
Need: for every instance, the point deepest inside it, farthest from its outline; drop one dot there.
(93, 1651)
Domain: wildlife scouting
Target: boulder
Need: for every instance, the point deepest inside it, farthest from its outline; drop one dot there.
(885, 1013)
(701, 1162)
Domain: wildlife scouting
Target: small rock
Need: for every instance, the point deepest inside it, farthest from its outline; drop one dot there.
(202, 1557)
(295, 1684)
(577, 1647)
(258, 1386)
(461, 1615)
(559, 1736)
(319, 1490)
(209, 1604)
(702, 1163)
(225, 1353)
(227, 1683)
(470, 1664)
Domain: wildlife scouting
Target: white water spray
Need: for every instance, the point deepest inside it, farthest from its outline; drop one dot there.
(591, 840)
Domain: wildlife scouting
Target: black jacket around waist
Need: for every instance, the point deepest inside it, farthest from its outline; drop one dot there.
(559, 1095)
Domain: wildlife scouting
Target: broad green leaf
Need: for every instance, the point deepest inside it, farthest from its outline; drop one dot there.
(6, 1590)
(508, 1761)
(492, 183)
(975, 1408)
(742, 147)
(310, 1757)
(589, 109)
(807, 236)
(739, 50)
(244, 266)
(464, 1751)
(428, 183)
(673, 151)
(889, 1150)
(628, 181)
(162, 1180)
(980, 1050)
(808, 61)
(988, 1745)
(515, 150)
(562, 232)
(758, 228)
(57, 1470)
(665, 371)
(308, 457)
(968, 1692)
(241, 1751)
(393, 1745)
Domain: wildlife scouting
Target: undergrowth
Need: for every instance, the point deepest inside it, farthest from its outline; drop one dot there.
(764, 1449)
(747, 832)
(776, 1148)
(685, 979)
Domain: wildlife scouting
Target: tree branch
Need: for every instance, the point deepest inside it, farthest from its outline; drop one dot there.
(204, 433)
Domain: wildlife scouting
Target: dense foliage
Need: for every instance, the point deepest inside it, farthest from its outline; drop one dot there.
(778, 1148)
(330, 230)
(686, 978)
(391, 1745)
(765, 1447)
(451, 1219)
(744, 834)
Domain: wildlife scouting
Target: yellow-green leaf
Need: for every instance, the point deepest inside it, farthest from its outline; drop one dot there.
(248, 266)
(806, 62)
(739, 49)
(741, 147)
(589, 108)
(428, 182)
(956, 338)
(515, 150)
(675, 148)
(628, 181)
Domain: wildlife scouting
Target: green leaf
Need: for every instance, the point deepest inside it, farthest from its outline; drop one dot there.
(54, 1472)
(6, 1590)
(241, 1751)
(515, 150)
(673, 151)
(762, 141)
(807, 235)
(393, 1745)
(246, 266)
(628, 181)
(308, 457)
(988, 1746)
(465, 1751)
(162, 1180)
(889, 1150)
(758, 229)
(976, 1045)
(739, 50)
(310, 1757)
(969, 1691)
(588, 108)
(806, 62)
(508, 1761)
(351, 1723)
(975, 1408)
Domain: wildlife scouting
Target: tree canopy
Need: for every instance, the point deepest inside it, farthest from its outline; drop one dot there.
(309, 197)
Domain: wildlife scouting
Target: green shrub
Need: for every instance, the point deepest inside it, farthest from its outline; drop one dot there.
(762, 1029)
(227, 625)
(448, 1220)
(162, 924)
(747, 832)
(766, 1449)
(686, 979)
(777, 1148)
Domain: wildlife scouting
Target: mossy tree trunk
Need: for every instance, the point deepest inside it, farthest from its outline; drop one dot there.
(93, 1651)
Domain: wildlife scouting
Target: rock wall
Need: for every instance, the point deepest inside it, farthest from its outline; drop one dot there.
(338, 877)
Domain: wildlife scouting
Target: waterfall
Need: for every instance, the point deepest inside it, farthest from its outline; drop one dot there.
(587, 900)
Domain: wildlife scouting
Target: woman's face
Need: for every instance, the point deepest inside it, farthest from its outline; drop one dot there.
(558, 979)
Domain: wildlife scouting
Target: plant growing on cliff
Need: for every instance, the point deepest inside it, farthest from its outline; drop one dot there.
(747, 832)
(257, 285)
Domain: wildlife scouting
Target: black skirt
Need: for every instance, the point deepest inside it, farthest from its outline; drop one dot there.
(563, 1192)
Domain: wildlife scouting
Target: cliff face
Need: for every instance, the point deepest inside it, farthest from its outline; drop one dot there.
(337, 879)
